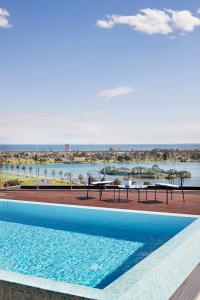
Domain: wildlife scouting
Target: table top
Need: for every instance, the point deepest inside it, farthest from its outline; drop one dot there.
(167, 185)
(133, 186)
(104, 182)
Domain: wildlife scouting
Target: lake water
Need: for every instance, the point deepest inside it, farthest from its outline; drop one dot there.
(58, 170)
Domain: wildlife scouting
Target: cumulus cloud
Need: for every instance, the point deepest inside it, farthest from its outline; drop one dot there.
(150, 21)
(154, 21)
(184, 20)
(112, 93)
(105, 23)
(4, 14)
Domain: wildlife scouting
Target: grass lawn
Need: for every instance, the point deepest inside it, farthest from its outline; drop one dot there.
(27, 180)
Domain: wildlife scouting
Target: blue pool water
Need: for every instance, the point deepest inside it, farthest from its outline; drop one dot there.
(78, 245)
(61, 255)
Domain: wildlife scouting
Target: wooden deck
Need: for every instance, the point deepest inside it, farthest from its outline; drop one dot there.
(78, 197)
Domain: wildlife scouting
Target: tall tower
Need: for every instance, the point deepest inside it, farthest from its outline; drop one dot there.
(67, 147)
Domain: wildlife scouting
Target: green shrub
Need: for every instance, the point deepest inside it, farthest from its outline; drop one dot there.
(147, 183)
(117, 181)
(12, 182)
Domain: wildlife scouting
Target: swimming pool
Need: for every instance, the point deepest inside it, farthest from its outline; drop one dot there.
(101, 253)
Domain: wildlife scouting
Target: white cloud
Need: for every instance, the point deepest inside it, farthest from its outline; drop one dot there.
(150, 21)
(154, 21)
(198, 11)
(184, 20)
(112, 93)
(105, 24)
(4, 14)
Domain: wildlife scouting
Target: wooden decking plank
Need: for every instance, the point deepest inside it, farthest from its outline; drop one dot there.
(190, 288)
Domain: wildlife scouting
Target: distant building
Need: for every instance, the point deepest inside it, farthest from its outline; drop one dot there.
(67, 147)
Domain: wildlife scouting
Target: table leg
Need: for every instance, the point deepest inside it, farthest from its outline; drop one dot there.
(171, 194)
(167, 196)
(155, 191)
(87, 196)
(127, 193)
(138, 195)
(146, 195)
(100, 194)
(183, 195)
(114, 192)
(119, 195)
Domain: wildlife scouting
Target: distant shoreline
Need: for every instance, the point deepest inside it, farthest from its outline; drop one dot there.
(96, 147)
(91, 157)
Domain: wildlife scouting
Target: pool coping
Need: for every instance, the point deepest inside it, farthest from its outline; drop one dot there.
(125, 287)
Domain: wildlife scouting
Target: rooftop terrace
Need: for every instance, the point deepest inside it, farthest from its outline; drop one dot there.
(78, 197)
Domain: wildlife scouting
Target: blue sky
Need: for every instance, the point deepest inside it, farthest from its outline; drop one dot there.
(109, 71)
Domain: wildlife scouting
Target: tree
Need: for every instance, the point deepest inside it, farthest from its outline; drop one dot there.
(53, 173)
(17, 167)
(45, 172)
(165, 155)
(69, 174)
(117, 181)
(80, 177)
(58, 160)
(36, 157)
(120, 158)
(127, 157)
(24, 169)
(30, 170)
(38, 171)
(60, 174)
